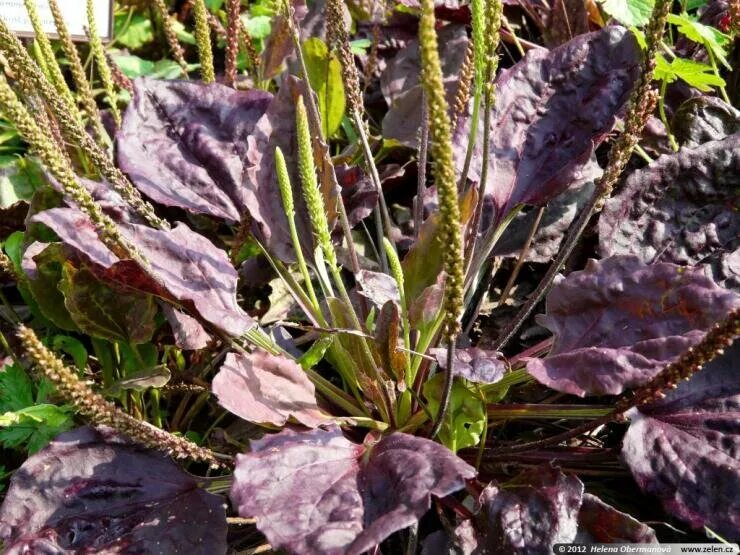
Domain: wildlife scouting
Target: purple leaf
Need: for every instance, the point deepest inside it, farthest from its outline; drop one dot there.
(318, 493)
(599, 522)
(473, 364)
(530, 515)
(619, 321)
(184, 144)
(556, 219)
(267, 389)
(702, 119)
(189, 334)
(378, 287)
(686, 448)
(552, 108)
(89, 491)
(184, 266)
(682, 208)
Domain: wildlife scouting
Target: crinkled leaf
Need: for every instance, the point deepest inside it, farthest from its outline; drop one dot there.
(599, 522)
(185, 266)
(90, 491)
(325, 76)
(618, 322)
(702, 119)
(401, 85)
(551, 109)
(466, 414)
(266, 389)
(184, 144)
(473, 364)
(107, 312)
(682, 208)
(685, 449)
(318, 493)
(529, 515)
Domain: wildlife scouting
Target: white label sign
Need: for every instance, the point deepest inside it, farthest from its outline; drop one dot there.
(13, 12)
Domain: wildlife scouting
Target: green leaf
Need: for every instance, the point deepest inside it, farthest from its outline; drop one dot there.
(315, 353)
(696, 74)
(35, 426)
(104, 312)
(138, 32)
(14, 248)
(16, 389)
(360, 46)
(23, 421)
(629, 12)
(73, 347)
(258, 27)
(325, 76)
(713, 40)
(19, 178)
(45, 286)
(183, 35)
(466, 414)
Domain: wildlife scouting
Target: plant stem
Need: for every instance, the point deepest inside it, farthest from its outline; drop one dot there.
(663, 117)
(447, 392)
(522, 256)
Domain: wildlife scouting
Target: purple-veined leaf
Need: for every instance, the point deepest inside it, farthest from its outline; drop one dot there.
(531, 514)
(473, 364)
(682, 208)
(599, 522)
(318, 493)
(551, 109)
(685, 449)
(90, 491)
(184, 144)
(267, 389)
(619, 321)
(184, 266)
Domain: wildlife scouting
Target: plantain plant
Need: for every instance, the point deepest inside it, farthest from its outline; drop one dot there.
(197, 281)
